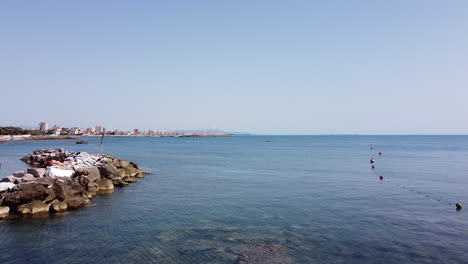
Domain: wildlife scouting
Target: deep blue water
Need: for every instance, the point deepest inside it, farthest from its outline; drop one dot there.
(314, 195)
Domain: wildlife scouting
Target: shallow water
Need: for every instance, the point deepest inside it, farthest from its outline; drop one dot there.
(297, 199)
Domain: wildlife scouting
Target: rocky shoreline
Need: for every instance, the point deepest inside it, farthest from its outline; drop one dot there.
(61, 181)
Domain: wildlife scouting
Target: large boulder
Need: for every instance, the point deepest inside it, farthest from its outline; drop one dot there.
(33, 207)
(131, 171)
(108, 171)
(92, 173)
(59, 172)
(4, 210)
(75, 202)
(36, 172)
(58, 206)
(26, 193)
(105, 185)
(47, 182)
(65, 189)
(32, 191)
(60, 190)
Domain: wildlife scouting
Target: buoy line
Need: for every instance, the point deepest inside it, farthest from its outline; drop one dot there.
(380, 175)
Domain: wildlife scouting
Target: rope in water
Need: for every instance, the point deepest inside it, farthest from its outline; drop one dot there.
(411, 189)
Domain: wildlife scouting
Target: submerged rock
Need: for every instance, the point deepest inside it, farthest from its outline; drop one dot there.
(261, 254)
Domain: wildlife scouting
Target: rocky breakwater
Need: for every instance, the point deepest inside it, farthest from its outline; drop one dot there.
(62, 181)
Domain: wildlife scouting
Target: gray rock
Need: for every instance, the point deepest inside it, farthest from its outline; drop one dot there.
(65, 189)
(92, 173)
(12, 179)
(108, 172)
(28, 177)
(36, 172)
(19, 174)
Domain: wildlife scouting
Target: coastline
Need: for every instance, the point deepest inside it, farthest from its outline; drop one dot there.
(5, 138)
(147, 136)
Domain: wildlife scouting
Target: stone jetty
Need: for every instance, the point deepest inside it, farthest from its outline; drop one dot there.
(62, 180)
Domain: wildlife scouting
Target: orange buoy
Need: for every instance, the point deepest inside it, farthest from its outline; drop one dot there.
(381, 177)
(459, 206)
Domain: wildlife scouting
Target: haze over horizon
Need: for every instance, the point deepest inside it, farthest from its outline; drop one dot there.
(264, 67)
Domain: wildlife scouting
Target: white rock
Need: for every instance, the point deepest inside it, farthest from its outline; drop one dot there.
(6, 185)
(55, 172)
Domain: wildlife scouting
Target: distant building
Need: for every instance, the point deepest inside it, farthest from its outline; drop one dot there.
(100, 129)
(74, 131)
(43, 127)
(135, 131)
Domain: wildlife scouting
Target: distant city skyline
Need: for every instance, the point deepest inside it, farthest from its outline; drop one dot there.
(264, 67)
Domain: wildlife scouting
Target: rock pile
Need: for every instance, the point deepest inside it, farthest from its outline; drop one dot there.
(62, 180)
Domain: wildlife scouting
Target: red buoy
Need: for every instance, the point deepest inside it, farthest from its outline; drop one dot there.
(381, 177)
(380, 153)
(373, 167)
(459, 206)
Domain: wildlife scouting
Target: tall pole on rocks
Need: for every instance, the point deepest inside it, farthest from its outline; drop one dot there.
(102, 141)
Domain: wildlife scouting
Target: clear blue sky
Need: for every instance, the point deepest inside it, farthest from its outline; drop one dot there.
(274, 67)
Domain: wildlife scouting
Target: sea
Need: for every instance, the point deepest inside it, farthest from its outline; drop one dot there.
(259, 199)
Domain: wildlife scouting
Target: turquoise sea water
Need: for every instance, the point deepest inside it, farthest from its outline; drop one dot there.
(297, 199)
